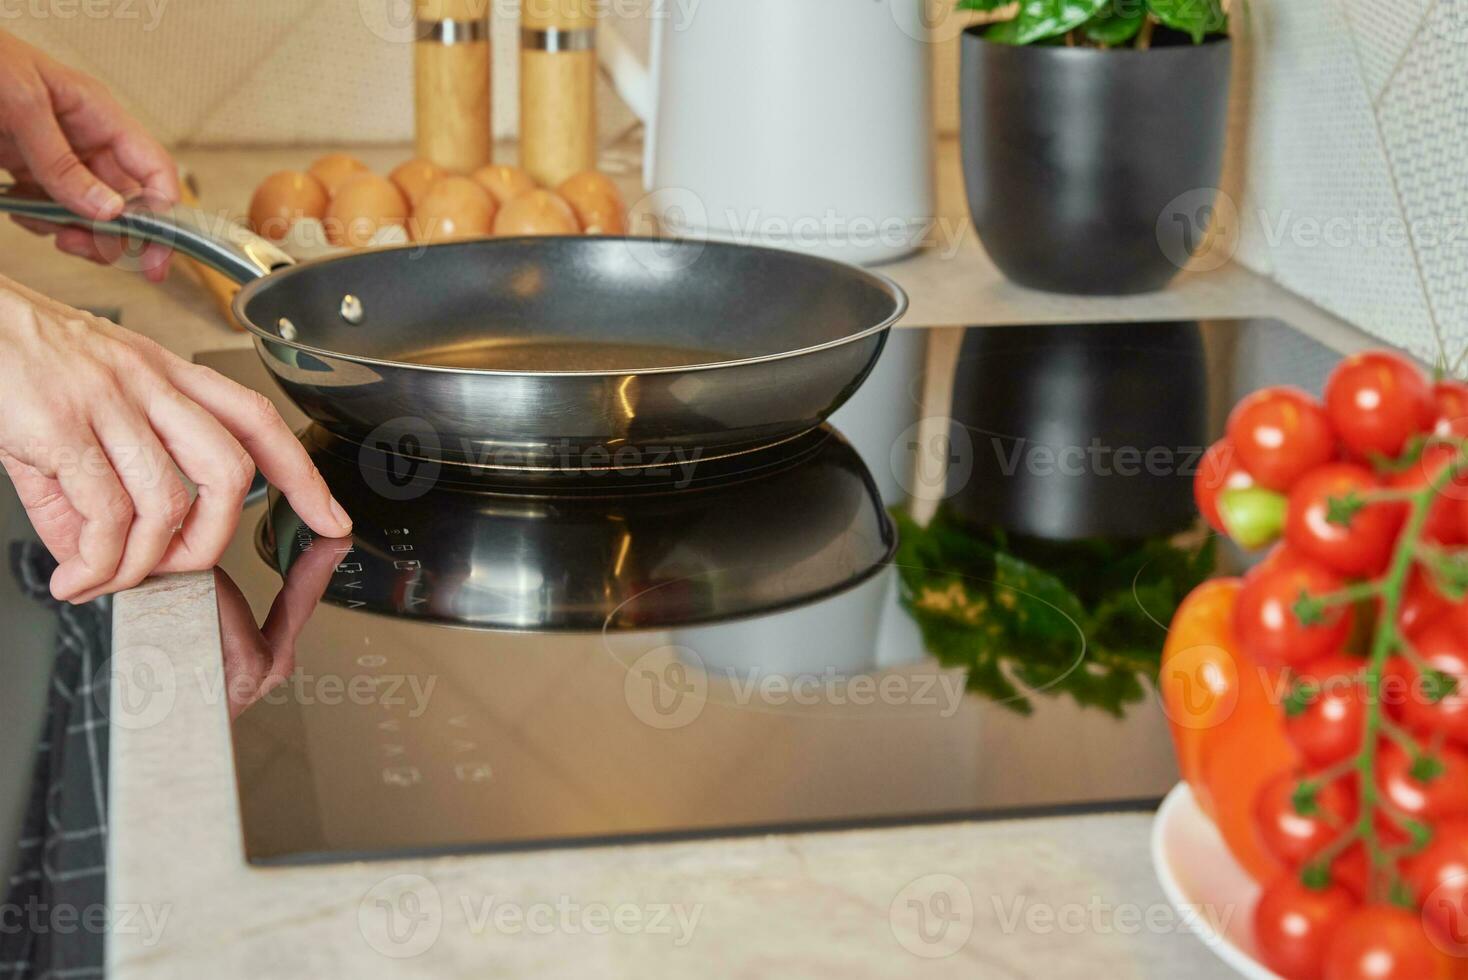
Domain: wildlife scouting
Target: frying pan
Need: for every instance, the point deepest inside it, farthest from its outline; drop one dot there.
(553, 353)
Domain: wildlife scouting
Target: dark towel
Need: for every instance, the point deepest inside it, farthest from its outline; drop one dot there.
(55, 917)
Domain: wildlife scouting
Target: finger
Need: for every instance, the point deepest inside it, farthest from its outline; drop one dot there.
(82, 243)
(217, 464)
(35, 227)
(253, 420)
(154, 259)
(53, 164)
(159, 498)
(87, 479)
(56, 522)
(145, 160)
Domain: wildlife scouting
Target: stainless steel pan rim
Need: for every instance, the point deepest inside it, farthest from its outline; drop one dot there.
(250, 289)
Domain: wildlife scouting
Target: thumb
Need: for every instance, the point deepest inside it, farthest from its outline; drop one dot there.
(55, 166)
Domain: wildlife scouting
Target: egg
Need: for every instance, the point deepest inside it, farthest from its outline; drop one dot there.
(414, 178)
(454, 207)
(334, 169)
(536, 213)
(597, 203)
(504, 182)
(361, 207)
(284, 198)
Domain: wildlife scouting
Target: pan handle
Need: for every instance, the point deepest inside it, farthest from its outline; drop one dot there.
(212, 239)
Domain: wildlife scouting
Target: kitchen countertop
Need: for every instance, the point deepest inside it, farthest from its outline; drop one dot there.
(811, 904)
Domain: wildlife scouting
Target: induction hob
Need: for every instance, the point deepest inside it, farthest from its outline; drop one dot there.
(489, 665)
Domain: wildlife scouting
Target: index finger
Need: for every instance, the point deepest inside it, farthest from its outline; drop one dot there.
(252, 419)
(145, 160)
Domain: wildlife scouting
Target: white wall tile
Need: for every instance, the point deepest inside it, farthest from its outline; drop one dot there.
(1314, 163)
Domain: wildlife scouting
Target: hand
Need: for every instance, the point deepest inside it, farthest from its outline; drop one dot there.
(64, 131)
(98, 422)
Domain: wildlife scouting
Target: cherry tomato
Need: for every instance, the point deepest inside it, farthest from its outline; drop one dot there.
(1361, 548)
(1218, 470)
(1350, 871)
(1421, 604)
(1444, 795)
(1280, 434)
(1444, 648)
(1445, 519)
(1377, 401)
(1293, 925)
(1382, 942)
(1438, 878)
(1264, 617)
(1294, 837)
(1328, 727)
(1450, 408)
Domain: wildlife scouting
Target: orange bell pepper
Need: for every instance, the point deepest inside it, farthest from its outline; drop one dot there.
(1226, 720)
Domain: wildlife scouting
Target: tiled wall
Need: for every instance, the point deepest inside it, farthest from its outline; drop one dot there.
(1350, 170)
(221, 72)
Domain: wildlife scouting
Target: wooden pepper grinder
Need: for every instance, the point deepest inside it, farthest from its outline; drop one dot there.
(557, 88)
(451, 84)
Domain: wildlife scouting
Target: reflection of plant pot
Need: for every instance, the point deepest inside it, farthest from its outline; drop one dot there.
(1076, 158)
(1078, 431)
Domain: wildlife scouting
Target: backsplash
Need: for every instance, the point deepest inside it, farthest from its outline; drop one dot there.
(1349, 167)
(203, 72)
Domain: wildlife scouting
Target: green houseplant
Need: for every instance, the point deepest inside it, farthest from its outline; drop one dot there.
(1093, 137)
(1100, 23)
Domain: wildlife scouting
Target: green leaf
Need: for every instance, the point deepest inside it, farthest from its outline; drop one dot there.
(1309, 610)
(1438, 686)
(984, 5)
(1115, 25)
(1037, 20)
(1306, 798)
(1196, 18)
(1426, 768)
(1024, 617)
(1301, 697)
(1341, 511)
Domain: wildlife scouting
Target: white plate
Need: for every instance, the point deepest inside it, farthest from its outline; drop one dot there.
(1204, 883)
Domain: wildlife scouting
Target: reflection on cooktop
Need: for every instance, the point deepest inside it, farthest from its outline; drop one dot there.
(728, 656)
(479, 550)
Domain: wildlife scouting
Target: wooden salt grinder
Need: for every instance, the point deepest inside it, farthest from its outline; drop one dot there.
(557, 88)
(451, 84)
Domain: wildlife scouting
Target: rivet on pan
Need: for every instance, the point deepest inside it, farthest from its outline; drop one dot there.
(286, 329)
(351, 309)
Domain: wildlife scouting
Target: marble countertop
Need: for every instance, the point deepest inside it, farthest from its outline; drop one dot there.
(831, 904)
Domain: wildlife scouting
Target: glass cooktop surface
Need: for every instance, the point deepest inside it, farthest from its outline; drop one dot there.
(788, 644)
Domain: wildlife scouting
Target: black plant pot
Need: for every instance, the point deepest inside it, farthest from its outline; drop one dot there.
(1089, 430)
(1092, 171)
